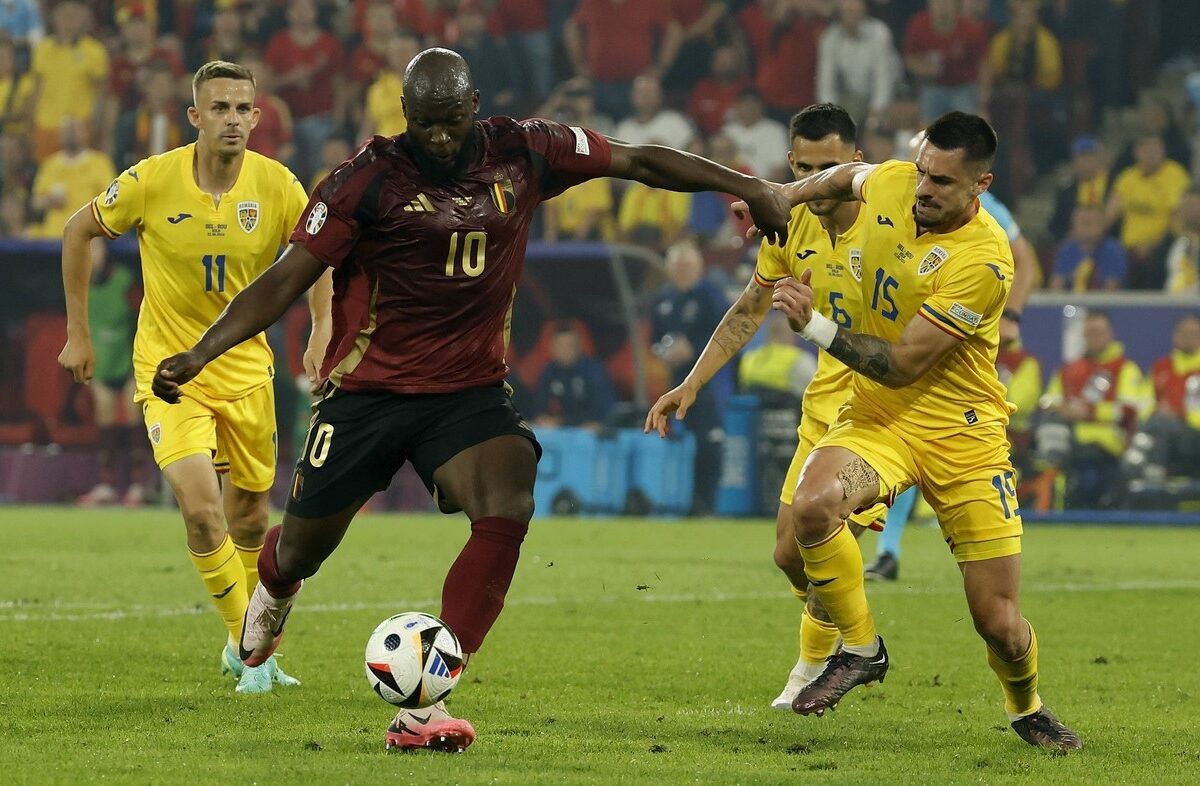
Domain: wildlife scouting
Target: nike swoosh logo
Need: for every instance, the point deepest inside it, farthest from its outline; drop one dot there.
(178, 218)
(884, 221)
(225, 591)
(816, 583)
(419, 719)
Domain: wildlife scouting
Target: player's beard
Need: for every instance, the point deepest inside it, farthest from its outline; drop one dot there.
(437, 170)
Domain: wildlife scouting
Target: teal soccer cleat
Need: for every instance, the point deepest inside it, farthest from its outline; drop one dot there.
(260, 679)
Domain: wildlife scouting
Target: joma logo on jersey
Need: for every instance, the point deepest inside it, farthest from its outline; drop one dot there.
(247, 216)
(933, 260)
(903, 254)
(805, 254)
(504, 195)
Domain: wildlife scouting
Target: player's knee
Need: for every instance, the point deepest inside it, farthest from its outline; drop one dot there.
(203, 519)
(815, 512)
(787, 554)
(999, 623)
(514, 505)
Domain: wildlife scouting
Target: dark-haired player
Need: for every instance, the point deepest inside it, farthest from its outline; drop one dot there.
(426, 235)
(927, 408)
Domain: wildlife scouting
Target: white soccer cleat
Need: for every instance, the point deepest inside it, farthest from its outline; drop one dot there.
(263, 626)
(431, 728)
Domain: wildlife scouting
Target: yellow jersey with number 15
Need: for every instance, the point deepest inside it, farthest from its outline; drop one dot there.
(959, 282)
(196, 255)
(836, 274)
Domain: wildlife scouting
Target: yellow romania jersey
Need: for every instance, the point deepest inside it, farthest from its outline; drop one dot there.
(836, 283)
(959, 282)
(196, 256)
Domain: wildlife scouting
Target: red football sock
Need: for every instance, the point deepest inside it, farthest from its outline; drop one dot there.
(268, 568)
(473, 594)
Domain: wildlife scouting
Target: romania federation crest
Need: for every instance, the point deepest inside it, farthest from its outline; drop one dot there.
(503, 195)
(247, 216)
(856, 263)
(155, 433)
(933, 260)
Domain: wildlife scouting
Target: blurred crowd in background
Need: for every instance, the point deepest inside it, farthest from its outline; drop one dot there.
(1097, 104)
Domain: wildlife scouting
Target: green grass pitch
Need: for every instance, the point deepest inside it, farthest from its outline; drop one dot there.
(631, 651)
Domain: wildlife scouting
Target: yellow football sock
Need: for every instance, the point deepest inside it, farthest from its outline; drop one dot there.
(818, 638)
(802, 594)
(225, 580)
(1019, 679)
(835, 568)
(249, 557)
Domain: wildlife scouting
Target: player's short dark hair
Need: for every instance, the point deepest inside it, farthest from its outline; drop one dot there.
(1099, 313)
(817, 121)
(969, 133)
(220, 69)
(1191, 316)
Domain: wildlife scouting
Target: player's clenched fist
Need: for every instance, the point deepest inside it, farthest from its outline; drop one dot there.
(794, 299)
(173, 372)
(78, 358)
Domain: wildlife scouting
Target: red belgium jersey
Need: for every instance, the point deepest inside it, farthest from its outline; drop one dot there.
(426, 270)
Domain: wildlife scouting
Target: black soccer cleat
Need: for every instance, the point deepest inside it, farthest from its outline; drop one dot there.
(885, 568)
(1042, 730)
(843, 671)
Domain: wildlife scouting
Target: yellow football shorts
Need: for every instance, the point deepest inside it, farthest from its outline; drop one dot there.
(967, 478)
(238, 433)
(810, 432)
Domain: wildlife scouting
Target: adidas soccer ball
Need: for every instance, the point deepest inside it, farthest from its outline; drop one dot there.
(413, 660)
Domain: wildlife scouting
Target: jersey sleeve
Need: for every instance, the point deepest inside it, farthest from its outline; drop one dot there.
(565, 156)
(341, 205)
(967, 296)
(888, 180)
(772, 264)
(123, 204)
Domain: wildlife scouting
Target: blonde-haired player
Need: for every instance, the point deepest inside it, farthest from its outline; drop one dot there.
(210, 216)
(826, 236)
(927, 408)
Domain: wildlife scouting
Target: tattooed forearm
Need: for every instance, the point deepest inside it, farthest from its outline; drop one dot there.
(870, 356)
(743, 320)
(856, 476)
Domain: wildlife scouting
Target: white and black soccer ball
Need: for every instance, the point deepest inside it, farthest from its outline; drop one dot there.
(413, 660)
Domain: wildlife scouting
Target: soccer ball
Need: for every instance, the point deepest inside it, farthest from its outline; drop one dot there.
(413, 660)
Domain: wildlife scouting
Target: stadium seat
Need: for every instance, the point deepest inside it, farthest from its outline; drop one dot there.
(529, 367)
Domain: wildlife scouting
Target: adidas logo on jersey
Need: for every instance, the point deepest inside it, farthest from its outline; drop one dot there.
(420, 205)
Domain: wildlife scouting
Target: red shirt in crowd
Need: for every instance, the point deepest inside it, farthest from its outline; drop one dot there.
(785, 57)
(123, 74)
(620, 36)
(520, 16)
(284, 54)
(711, 100)
(274, 129)
(961, 51)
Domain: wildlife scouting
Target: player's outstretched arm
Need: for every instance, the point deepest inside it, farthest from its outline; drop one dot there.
(736, 328)
(674, 170)
(77, 355)
(320, 306)
(252, 311)
(897, 365)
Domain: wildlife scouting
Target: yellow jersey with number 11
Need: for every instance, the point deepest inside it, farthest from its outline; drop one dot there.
(959, 282)
(836, 275)
(196, 255)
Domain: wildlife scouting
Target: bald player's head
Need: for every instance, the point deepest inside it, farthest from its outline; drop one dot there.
(440, 103)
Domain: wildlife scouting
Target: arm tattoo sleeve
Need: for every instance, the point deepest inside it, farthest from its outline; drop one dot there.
(742, 322)
(870, 356)
(856, 476)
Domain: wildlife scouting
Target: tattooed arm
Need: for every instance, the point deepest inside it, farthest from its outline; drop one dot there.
(736, 328)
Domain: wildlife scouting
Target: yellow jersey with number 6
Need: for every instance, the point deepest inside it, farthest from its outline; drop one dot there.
(196, 255)
(836, 275)
(959, 282)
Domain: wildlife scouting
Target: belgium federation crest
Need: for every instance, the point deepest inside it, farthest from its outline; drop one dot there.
(933, 260)
(247, 216)
(503, 195)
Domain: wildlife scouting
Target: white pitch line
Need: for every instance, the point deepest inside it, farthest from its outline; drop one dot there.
(36, 613)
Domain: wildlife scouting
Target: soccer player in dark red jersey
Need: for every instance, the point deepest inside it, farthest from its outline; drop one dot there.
(425, 233)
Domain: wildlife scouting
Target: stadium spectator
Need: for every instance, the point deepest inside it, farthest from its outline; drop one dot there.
(857, 63)
(613, 41)
(574, 389)
(525, 26)
(713, 97)
(651, 123)
(1021, 374)
(17, 167)
(307, 62)
(584, 212)
(652, 217)
(384, 114)
(711, 219)
(1143, 198)
(122, 453)
(758, 138)
(1091, 258)
(496, 74)
(21, 22)
(16, 92)
(1086, 183)
(1183, 253)
(1025, 54)
(69, 67)
(705, 26)
(155, 124)
(129, 69)
(334, 152)
(369, 57)
(1089, 410)
(68, 178)
(14, 216)
(784, 36)
(942, 50)
(778, 365)
(1155, 116)
(572, 102)
(683, 315)
(1168, 443)
(273, 135)
(226, 40)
